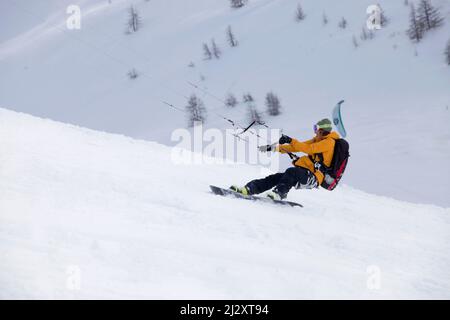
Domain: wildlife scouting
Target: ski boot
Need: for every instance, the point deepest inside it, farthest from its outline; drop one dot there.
(275, 195)
(244, 190)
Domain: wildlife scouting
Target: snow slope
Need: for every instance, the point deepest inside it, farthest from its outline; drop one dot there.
(396, 92)
(119, 216)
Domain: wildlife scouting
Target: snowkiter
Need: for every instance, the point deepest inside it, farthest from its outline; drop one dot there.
(305, 173)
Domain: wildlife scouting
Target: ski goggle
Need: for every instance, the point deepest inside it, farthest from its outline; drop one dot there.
(317, 127)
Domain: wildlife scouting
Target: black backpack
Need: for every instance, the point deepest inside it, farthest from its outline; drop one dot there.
(334, 173)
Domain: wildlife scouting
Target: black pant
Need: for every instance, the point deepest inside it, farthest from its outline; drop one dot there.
(299, 177)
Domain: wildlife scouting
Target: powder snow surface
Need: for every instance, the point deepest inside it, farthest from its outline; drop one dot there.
(86, 214)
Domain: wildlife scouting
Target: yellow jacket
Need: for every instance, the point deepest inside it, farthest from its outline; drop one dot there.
(312, 148)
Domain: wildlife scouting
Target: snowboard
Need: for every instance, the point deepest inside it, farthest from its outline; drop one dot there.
(227, 192)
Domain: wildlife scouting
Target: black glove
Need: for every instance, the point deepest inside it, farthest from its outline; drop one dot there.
(284, 139)
(266, 148)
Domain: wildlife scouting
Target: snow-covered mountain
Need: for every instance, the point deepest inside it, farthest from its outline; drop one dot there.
(86, 214)
(396, 91)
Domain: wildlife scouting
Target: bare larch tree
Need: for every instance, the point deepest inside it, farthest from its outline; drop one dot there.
(247, 97)
(366, 34)
(342, 23)
(324, 19)
(134, 20)
(384, 20)
(273, 104)
(447, 53)
(215, 49)
(428, 15)
(416, 28)
(363, 35)
(196, 110)
(355, 42)
(237, 3)
(299, 14)
(231, 38)
(133, 74)
(230, 100)
(253, 113)
(206, 52)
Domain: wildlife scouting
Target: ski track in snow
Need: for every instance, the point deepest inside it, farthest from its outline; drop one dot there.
(138, 226)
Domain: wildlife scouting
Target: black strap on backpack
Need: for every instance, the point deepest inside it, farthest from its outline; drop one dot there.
(318, 165)
(334, 173)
